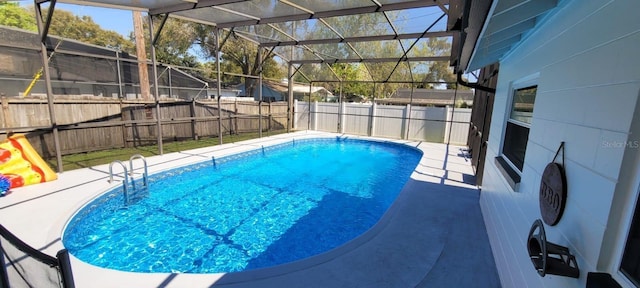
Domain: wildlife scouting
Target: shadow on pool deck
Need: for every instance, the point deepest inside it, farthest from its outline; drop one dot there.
(433, 236)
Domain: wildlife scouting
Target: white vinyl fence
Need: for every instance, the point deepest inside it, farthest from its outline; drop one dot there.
(431, 124)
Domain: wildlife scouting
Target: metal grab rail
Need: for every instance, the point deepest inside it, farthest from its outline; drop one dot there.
(144, 175)
(126, 178)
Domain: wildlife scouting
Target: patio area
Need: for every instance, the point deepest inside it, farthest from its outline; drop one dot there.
(432, 236)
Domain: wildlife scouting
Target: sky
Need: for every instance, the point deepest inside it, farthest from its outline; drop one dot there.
(120, 21)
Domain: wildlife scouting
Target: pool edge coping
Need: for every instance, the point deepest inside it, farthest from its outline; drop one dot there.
(80, 267)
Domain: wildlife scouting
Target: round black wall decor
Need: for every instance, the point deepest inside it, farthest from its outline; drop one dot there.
(553, 193)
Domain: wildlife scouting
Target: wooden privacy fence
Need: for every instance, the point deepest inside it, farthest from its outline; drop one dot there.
(93, 125)
(432, 124)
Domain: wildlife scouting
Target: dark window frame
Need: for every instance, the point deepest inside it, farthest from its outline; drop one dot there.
(630, 257)
(514, 148)
(510, 162)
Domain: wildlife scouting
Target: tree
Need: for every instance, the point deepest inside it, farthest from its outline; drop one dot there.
(238, 55)
(439, 71)
(12, 15)
(350, 71)
(82, 28)
(379, 72)
(64, 24)
(174, 42)
(383, 71)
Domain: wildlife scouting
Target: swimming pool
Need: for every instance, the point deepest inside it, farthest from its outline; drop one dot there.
(256, 209)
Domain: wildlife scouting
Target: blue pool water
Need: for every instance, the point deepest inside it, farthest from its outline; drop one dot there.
(256, 209)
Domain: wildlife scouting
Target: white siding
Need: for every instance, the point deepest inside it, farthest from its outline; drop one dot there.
(587, 57)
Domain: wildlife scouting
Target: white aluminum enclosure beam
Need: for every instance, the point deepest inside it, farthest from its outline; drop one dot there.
(360, 39)
(335, 13)
(373, 60)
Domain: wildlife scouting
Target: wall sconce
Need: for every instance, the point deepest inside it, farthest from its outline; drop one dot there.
(550, 258)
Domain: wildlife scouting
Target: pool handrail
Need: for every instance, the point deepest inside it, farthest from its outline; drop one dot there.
(145, 174)
(126, 178)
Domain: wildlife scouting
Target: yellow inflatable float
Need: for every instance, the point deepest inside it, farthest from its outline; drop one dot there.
(21, 164)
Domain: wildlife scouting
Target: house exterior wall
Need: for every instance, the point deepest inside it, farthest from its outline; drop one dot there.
(587, 67)
(267, 93)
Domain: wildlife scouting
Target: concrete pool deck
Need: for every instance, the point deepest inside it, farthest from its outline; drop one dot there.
(432, 236)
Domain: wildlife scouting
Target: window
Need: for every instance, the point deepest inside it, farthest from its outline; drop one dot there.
(630, 265)
(518, 124)
(516, 134)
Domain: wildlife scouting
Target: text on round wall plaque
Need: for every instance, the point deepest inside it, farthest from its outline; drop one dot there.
(553, 193)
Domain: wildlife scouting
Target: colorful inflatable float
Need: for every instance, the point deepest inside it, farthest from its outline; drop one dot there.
(21, 164)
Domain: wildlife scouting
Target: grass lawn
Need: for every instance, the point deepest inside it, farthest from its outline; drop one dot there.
(88, 159)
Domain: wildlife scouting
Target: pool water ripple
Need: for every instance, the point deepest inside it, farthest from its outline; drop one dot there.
(256, 209)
